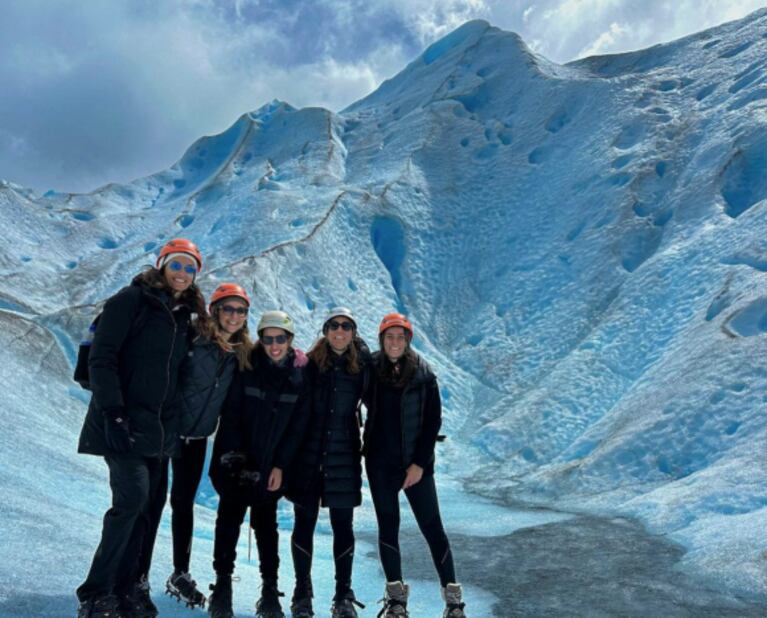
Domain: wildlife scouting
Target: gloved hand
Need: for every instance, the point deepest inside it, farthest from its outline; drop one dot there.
(117, 431)
(249, 478)
(232, 462)
(299, 358)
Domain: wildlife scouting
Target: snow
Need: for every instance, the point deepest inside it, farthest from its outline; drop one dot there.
(580, 247)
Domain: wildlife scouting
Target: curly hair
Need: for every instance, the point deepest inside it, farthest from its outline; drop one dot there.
(239, 343)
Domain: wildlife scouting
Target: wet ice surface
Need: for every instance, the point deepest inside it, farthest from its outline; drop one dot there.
(512, 562)
(543, 563)
(584, 566)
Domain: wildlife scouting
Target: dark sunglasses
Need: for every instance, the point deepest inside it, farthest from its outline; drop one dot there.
(269, 340)
(177, 266)
(347, 326)
(230, 310)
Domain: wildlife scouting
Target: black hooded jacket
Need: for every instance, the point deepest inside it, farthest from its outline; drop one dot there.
(264, 417)
(134, 371)
(328, 464)
(418, 417)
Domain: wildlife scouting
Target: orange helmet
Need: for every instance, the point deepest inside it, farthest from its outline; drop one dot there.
(395, 319)
(180, 245)
(228, 290)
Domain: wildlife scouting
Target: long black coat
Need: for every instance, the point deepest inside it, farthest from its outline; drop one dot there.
(328, 464)
(264, 417)
(420, 417)
(134, 370)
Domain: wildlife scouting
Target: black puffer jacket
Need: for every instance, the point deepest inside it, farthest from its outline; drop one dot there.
(204, 380)
(135, 369)
(420, 418)
(264, 417)
(328, 464)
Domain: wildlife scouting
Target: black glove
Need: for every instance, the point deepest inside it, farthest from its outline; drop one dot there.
(249, 478)
(232, 462)
(117, 432)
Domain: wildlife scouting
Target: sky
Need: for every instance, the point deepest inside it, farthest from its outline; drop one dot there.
(96, 92)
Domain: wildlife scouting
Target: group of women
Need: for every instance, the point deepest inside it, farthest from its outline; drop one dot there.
(167, 372)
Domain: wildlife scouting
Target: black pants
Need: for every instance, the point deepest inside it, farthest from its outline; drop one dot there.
(187, 472)
(302, 546)
(138, 488)
(384, 488)
(263, 520)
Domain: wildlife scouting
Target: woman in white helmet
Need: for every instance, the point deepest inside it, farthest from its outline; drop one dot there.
(262, 424)
(327, 470)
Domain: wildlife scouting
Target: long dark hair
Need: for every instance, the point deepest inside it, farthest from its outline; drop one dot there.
(239, 343)
(191, 297)
(396, 374)
(322, 355)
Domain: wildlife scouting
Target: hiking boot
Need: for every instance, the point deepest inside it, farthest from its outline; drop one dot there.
(453, 596)
(395, 601)
(301, 608)
(220, 601)
(343, 605)
(184, 588)
(104, 606)
(268, 606)
(137, 603)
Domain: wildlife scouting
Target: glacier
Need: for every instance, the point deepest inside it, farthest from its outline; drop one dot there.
(581, 249)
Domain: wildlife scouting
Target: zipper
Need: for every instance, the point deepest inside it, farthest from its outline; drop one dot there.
(167, 380)
(402, 423)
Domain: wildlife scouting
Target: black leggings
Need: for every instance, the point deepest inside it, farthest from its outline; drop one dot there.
(302, 546)
(263, 520)
(187, 472)
(385, 487)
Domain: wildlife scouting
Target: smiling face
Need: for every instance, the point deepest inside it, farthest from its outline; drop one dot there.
(274, 350)
(231, 314)
(339, 336)
(179, 272)
(394, 342)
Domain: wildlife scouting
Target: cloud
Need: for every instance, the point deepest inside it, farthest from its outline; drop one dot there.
(108, 91)
(607, 40)
(563, 30)
(119, 90)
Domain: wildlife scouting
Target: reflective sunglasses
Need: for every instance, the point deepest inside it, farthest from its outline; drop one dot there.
(347, 326)
(269, 340)
(177, 266)
(231, 310)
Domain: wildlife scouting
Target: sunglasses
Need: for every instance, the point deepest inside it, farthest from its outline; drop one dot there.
(178, 266)
(347, 326)
(269, 340)
(231, 310)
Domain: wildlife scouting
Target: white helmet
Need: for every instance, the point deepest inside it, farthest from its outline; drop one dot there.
(338, 312)
(276, 319)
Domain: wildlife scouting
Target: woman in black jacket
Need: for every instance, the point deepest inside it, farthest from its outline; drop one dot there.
(262, 424)
(220, 347)
(327, 470)
(133, 364)
(404, 417)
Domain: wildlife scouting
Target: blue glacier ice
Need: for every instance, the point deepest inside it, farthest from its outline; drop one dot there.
(580, 248)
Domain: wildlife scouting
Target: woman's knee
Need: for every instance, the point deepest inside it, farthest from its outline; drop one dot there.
(182, 501)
